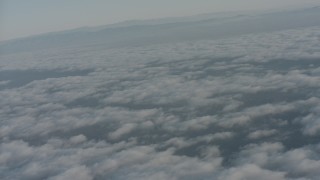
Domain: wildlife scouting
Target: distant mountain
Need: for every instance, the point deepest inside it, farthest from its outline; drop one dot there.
(142, 32)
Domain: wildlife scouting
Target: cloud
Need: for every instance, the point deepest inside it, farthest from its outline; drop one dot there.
(81, 173)
(251, 172)
(311, 122)
(78, 139)
(237, 108)
(261, 133)
(297, 163)
(125, 129)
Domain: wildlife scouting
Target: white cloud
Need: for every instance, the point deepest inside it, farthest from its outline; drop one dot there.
(297, 163)
(78, 139)
(125, 129)
(252, 172)
(311, 122)
(261, 133)
(76, 173)
(210, 98)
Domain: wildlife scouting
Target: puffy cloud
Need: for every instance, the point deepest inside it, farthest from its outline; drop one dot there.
(78, 139)
(190, 110)
(297, 163)
(81, 173)
(251, 172)
(261, 133)
(125, 129)
(311, 122)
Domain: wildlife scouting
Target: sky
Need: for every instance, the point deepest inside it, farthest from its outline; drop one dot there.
(19, 18)
(225, 99)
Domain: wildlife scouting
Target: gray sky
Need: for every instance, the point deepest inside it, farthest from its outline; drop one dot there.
(20, 18)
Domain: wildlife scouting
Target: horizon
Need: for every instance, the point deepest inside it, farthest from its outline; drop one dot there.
(11, 14)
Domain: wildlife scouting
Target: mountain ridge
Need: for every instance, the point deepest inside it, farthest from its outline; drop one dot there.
(140, 32)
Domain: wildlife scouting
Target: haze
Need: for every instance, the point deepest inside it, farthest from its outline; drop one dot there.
(19, 18)
(215, 96)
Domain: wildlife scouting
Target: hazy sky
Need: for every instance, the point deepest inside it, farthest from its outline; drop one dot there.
(20, 18)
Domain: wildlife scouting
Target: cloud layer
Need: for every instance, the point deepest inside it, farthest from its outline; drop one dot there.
(235, 109)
